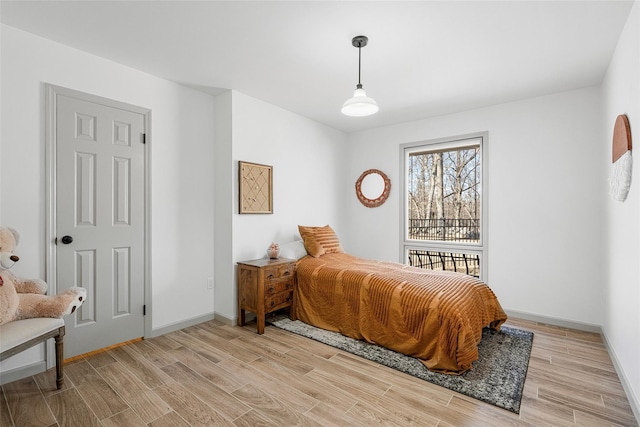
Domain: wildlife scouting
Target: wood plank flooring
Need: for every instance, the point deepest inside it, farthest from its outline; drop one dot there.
(215, 374)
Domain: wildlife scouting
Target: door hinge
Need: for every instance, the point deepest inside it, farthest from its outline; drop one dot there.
(144, 310)
(144, 138)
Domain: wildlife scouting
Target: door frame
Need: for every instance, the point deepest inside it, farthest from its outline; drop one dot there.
(51, 93)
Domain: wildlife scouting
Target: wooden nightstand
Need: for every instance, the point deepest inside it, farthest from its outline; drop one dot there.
(265, 285)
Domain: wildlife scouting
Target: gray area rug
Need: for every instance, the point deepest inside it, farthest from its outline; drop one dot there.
(497, 377)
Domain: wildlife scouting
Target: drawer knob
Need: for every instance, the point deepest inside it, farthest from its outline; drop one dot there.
(271, 289)
(270, 276)
(273, 303)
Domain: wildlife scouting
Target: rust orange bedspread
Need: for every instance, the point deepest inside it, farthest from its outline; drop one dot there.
(436, 316)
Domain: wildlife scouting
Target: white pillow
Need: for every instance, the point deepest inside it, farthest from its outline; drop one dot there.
(293, 250)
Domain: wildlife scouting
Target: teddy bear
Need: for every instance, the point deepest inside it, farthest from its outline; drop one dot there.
(24, 298)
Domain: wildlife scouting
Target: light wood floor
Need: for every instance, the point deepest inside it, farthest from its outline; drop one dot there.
(213, 374)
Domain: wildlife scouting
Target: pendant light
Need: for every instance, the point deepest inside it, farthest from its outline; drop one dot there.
(360, 105)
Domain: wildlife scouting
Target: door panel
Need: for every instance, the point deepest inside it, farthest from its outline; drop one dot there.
(99, 177)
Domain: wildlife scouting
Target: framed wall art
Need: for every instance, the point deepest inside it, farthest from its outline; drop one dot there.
(255, 188)
(621, 161)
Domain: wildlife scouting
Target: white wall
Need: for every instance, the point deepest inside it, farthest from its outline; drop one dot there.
(182, 137)
(196, 143)
(545, 179)
(621, 322)
(307, 160)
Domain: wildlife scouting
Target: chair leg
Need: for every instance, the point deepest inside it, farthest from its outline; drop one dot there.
(60, 358)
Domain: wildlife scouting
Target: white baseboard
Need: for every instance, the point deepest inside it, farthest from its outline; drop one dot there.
(225, 320)
(633, 399)
(587, 327)
(180, 325)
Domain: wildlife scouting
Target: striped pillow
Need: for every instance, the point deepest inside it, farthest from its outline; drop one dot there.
(320, 240)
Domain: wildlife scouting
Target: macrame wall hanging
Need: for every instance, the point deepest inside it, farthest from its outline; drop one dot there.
(620, 175)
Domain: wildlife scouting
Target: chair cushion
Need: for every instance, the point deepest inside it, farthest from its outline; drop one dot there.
(13, 334)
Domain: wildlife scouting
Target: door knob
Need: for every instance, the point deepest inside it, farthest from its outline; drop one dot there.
(67, 239)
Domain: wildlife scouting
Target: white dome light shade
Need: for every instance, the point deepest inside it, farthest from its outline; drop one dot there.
(360, 105)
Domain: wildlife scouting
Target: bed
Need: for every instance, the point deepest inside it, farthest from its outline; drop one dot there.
(435, 316)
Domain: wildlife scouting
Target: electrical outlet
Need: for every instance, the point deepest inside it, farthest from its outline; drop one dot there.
(210, 283)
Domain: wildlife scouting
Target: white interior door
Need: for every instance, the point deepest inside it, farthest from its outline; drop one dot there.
(100, 218)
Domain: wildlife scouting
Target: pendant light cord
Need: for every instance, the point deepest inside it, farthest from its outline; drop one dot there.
(359, 62)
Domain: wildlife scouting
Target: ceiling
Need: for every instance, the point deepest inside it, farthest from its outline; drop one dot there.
(424, 58)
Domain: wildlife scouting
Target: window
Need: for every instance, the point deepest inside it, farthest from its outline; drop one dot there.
(444, 212)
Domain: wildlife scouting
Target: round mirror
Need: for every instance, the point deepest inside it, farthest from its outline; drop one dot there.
(372, 188)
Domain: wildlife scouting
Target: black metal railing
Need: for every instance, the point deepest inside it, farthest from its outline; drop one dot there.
(434, 260)
(446, 229)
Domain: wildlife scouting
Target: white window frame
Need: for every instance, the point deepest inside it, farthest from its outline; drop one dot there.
(480, 248)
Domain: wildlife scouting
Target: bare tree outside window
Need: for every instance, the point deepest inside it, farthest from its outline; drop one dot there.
(444, 204)
(444, 201)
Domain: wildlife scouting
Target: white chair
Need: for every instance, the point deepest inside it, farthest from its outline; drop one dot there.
(17, 336)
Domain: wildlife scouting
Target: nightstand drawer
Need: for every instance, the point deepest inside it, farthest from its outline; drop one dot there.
(274, 288)
(278, 272)
(281, 299)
